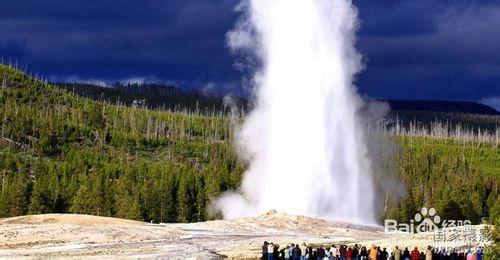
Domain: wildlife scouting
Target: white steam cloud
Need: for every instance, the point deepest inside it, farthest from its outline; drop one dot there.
(307, 149)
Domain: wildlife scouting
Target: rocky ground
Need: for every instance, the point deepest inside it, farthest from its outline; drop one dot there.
(66, 235)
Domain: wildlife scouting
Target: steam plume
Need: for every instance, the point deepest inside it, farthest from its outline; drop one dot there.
(304, 139)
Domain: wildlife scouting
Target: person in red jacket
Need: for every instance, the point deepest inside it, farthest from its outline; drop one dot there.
(348, 254)
(415, 254)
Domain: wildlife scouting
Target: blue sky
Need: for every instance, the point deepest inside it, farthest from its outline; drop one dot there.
(422, 49)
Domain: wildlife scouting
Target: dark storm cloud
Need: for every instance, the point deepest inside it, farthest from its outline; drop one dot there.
(182, 41)
(414, 49)
(430, 49)
(397, 18)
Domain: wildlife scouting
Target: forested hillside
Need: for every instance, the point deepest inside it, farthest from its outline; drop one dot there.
(459, 178)
(60, 152)
(172, 97)
(64, 153)
(153, 96)
(441, 106)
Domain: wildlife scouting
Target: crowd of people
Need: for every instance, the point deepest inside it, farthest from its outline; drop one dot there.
(271, 251)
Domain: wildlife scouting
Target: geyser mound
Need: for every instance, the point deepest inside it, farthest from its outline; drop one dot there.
(304, 139)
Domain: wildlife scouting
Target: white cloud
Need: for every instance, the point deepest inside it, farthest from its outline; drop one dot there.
(77, 79)
(492, 102)
(136, 80)
(209, 89)
(108, 82)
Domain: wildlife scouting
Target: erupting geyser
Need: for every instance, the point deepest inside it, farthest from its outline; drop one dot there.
(304, 140)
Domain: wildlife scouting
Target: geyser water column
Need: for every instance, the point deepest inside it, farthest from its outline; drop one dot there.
(304, 141)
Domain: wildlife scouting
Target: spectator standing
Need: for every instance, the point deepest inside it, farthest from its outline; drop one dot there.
(270, 250)
(348, 253)
(334, 253)
(428, 253)
(264, 250)
(396, 254)
(373, 253)
(276, 252)
(296, 252)
(415, 254)
(471, 255)
(309, 252)
(363, 254)
(342, 250)
(462, 255)
(287, 252)
(321, 253)
(383, 254)
(355, 252)
(303, 251)
(479, 253)
(406, 254)
(454, 255)
(290, 251)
